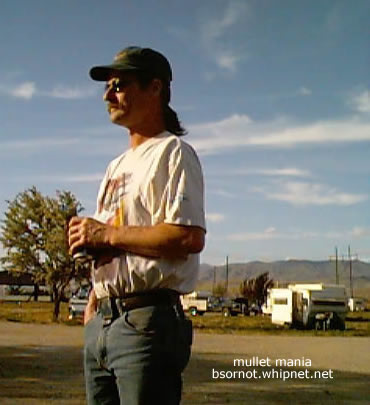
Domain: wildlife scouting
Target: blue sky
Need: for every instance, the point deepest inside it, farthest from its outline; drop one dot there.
(274, 94)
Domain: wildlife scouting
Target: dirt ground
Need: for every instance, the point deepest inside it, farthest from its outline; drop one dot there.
(42, 364)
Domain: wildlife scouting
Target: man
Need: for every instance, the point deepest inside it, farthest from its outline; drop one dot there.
(146, 237)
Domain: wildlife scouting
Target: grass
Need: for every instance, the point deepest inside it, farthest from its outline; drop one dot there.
(37, 312)
(357, 323)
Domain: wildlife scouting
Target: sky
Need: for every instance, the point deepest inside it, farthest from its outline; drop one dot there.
(274, 94)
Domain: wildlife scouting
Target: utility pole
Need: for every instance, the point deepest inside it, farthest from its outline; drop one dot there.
(227, 275)
(214, 280)
(350, 271)
(336, 265)
(349, 259)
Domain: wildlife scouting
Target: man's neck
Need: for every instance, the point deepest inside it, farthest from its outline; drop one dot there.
(139, 135)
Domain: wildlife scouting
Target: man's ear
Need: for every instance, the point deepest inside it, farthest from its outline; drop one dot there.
(157, 87)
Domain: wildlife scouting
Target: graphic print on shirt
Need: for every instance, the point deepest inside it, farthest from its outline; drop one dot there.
(113, 198)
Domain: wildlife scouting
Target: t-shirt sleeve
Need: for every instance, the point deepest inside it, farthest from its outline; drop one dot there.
(184, 192)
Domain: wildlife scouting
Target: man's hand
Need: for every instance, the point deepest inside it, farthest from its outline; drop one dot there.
(91, 307)
(88, 233)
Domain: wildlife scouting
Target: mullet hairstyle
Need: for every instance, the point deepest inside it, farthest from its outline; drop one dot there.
(171, 120)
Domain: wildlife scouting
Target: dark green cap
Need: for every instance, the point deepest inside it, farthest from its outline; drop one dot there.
(135, 58)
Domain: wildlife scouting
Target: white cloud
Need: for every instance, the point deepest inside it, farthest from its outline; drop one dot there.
(301, 92)
(227, 59)
(239, 130)
(222, 193)
(269, 233)
(70, 93)
(304, 91)
(213, 32)
(361, 102)
(214, 29)
(285, 172)
(28, 90)
(25, 90)
(297, 193)
(272, 233)
(82, 178)
(359, 232)
(107, 145)
(215, 217)
(36, 143)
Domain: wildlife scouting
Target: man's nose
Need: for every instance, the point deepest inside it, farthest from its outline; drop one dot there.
(109, 94)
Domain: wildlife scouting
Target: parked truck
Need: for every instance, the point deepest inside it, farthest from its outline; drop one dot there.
(312, 306)
(197, 302)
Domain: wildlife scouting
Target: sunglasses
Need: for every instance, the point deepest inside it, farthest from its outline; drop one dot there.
(117, 85)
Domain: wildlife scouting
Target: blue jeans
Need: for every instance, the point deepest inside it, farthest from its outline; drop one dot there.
(138, 358)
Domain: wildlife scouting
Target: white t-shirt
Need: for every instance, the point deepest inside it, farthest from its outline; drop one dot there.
(159, 181)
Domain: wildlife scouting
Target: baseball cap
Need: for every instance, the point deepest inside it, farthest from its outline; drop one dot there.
(135, 58)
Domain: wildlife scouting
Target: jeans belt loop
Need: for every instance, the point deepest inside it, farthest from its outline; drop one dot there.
(120, 305)
(107, 312)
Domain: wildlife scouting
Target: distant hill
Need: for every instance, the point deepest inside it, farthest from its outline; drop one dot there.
(289, 271)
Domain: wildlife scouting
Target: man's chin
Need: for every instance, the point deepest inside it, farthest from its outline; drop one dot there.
(116, 117)
(118, 121)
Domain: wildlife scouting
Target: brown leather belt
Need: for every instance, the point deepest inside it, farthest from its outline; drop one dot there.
(113, 307)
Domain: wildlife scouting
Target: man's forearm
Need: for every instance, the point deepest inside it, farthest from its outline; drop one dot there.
(162, 240)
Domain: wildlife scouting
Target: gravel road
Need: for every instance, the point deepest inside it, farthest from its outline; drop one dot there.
(339, 353)
(42, 364)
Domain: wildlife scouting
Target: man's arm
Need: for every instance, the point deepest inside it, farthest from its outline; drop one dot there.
(162, 240)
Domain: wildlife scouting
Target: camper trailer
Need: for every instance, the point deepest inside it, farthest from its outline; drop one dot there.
(311, 306)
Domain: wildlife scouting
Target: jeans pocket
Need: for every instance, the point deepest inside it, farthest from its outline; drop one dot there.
(140, 321)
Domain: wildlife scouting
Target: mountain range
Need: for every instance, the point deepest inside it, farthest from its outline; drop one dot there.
(289, 271)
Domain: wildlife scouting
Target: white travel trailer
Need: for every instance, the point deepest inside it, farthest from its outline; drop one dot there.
(267, 305)
(319, 306)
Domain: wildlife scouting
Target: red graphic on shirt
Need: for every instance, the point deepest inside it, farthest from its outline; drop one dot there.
(113, 198)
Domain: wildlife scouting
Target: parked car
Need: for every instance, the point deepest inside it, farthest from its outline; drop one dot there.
(357, 304)
(78, 302)
(234, 306)
(255, 309)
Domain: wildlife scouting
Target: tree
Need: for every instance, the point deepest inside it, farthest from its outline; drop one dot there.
(255, 289)
(219, 290)
(35, 241)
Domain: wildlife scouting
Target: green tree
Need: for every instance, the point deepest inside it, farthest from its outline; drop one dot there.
(255, 289)
(34, 237)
